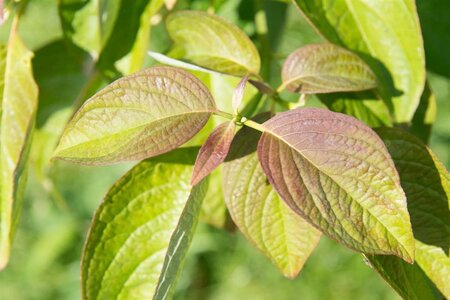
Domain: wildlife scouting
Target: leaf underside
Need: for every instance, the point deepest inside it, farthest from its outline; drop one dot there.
(326, 68)
(214, 151)
(138, 116)
(265, 220)
(336, 173)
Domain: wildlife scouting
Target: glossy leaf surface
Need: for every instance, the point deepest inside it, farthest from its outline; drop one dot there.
(426, 183)
(326, 68)
(214, 43)
(336, 173)
(19, 95)
(140, 234)
(138, 116)
(214, 151)
(278, 232)
(386, 34)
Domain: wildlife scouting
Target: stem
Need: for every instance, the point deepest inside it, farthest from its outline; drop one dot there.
(262, 32)
(224, 114)
(254, 125)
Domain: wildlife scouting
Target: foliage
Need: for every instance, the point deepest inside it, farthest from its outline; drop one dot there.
(356, 169)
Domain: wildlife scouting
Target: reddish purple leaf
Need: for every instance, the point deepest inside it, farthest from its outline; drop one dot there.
(239, 94)
(214, 151)
(335, 172)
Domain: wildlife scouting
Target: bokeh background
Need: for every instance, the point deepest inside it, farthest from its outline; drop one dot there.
(61, 198)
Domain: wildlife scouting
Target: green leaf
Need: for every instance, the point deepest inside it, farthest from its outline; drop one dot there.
(214, 151)
(424, 116)
(214, 43)
(426, 183)
(393, 49)
(336, 173)
(408, 280)
(141, 232)
(213, 211)
(326, 68)
(19, 95)
(283, 236)
(138, 116)
(362, 105)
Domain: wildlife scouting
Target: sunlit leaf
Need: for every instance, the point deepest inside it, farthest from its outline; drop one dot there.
(426, 183)
(214, 151)
(141, 232)
(283, 236)
(326, 68)
(336, 173)
(138, 116)
(239, 94)
(214, 43)
(386, 35)
(19, 95)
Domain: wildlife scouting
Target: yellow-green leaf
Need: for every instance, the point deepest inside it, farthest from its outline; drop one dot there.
(265, 220)
(326, 68)
(214, 43)
(136, 117)
(335, 172)
(386, 35)
(141, 232)
(19, 95)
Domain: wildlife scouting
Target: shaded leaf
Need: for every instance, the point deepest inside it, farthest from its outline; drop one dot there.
(426, 183)
(214, 151)
(336, 173)
(214, 43)
(19, 95)
(265, 220)
(141, 232)
(425, 115)
(239, 94)
(138, 116)
(408, 280)
(397, 59)
(326, 68)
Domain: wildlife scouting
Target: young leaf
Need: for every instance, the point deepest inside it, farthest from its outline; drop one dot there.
(239, 94)
(282, 235)
(138, 116)
(19, 95)
(214, 43)
(141, 232)
(426, 183)
(392, 48)
(326, 68)
(336, 173)
(214, 151)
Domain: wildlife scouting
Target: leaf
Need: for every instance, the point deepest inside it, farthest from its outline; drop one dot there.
(213, 211)
(326, 68)
(141, 232)
(426, 183)
(19, 95)
(393, 49)
(335, 172)
(408, 280)
(214, 43)
(425, 115)
(362, 105)
(283, 236)
(239, 94)
(138, 116)
(214, 151)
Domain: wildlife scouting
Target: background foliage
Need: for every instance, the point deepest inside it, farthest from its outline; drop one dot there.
(60, 201)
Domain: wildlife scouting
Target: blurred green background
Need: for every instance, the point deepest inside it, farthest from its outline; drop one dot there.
(60, 200)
